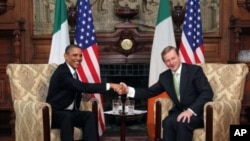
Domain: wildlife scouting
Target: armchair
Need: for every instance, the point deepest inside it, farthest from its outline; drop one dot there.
(29, 87)
(227, 82)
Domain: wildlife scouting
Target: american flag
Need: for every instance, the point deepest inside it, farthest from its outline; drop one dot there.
(191, 46)
(86, 39)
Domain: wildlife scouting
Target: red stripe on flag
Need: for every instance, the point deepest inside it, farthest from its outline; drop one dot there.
(197, 60)
(185, 54)
(82, 74)
(197, 56)
(101, 122)
(96, 51)
(90, 65)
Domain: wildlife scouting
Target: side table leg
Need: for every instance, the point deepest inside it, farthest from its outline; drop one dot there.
(123, 130)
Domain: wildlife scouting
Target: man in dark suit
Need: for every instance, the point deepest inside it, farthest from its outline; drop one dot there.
(64, 96)
(189, 92)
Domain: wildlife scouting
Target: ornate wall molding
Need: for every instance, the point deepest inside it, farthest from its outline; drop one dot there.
(105, 18)
(244, 3)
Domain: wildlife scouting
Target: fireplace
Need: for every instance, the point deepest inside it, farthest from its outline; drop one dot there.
(124, 56)
(135, 75)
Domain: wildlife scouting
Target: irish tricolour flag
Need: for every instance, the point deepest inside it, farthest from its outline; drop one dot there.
(163, 37)
(60, 38)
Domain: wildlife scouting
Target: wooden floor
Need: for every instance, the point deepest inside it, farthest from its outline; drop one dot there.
(136, 136)
(6, 139)
(128, 138)
(105, 137)
(109, 135)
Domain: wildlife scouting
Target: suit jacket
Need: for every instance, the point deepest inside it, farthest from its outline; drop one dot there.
(63, 88)
(195, 89)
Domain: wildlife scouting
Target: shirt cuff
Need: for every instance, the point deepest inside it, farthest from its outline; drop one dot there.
(131, 92)
(107, 86)
(192, 111)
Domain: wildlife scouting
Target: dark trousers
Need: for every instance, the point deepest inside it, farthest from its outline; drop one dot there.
(179, 131)
(66, 121)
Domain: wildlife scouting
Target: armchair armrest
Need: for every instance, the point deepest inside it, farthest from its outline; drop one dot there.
(89, 105)
(219, 115)
(32, 120)
(161, 108)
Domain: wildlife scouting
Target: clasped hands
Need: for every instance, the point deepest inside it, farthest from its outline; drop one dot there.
(121, 88)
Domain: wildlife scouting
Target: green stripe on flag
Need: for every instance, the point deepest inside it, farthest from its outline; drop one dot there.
(164, 11)
(60, 15)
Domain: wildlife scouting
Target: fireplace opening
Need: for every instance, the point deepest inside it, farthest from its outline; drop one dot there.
(135, 75)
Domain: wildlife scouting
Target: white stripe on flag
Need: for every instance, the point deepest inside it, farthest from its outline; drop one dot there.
(200, 54)
(94, 60)
(59, 42)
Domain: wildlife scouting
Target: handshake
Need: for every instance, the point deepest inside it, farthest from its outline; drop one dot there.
(121, 88)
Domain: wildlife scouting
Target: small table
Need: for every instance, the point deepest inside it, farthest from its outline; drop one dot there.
(123, 117)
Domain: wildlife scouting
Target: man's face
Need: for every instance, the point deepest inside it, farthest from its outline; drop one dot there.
(74, 57)
(172, 60)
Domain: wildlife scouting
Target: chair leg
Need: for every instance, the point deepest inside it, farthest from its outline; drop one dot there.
(95, 110)
(209, 123)
(46, 125)
(158, 121)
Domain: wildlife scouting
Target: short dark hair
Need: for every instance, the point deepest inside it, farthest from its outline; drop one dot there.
(70, 47)
(167, 49)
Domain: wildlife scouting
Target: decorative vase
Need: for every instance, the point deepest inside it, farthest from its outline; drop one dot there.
(178, 14)
(126, 13)
(247, 3)
(72, 17)
(3, 6)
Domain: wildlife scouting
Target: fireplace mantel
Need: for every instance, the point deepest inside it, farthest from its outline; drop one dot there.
(126, 44)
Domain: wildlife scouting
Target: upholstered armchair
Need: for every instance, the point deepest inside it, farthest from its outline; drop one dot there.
(29, 87)
(227, 82)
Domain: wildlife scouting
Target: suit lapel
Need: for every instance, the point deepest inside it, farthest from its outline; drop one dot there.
(169, 86)
(183, 81)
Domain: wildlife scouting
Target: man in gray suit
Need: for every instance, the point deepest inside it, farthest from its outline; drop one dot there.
(189, 91)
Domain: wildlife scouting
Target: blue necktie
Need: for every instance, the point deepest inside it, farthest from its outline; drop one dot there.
(75, 76)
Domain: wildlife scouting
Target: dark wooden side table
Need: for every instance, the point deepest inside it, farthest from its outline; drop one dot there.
(123, 117)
